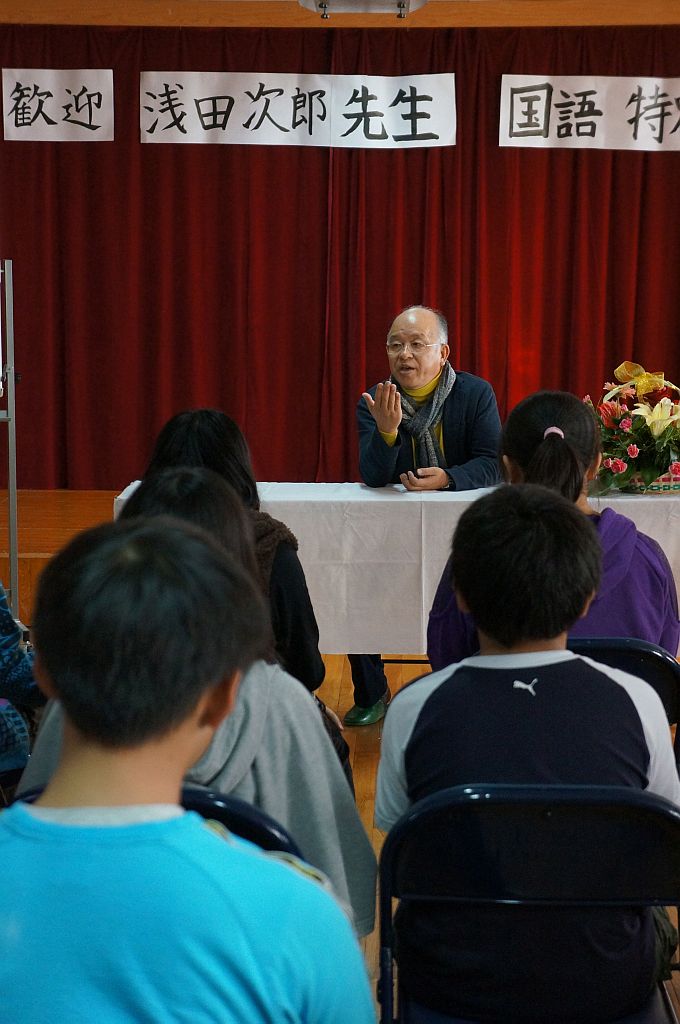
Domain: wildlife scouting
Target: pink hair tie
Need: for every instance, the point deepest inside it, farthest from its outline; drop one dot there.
(553, 430)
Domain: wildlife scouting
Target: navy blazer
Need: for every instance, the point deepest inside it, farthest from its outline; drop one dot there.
(470, 432)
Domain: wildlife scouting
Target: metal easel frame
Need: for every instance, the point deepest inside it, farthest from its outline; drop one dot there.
(7, 415)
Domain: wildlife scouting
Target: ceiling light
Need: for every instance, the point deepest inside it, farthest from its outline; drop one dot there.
(327, 7)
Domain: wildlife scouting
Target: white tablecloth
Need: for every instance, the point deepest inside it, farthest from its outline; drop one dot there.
(373, 557)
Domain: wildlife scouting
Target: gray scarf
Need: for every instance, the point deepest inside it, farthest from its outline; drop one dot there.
(420, 421)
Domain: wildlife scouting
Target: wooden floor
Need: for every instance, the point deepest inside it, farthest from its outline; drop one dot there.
(364, 742)
(48, 519)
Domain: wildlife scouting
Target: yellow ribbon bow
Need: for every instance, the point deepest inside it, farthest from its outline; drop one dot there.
(633, 373)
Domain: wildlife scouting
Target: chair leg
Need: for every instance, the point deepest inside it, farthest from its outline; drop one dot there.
(9, 780)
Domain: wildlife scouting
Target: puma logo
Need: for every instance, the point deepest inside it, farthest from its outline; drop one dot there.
(517, 685)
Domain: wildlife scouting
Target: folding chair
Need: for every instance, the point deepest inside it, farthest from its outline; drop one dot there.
(476, 846)
(239, 817)
(648, 661)
(9, 780)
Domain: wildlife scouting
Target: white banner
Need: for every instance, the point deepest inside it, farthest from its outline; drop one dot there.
(583, 112)
(351, 111)
(47, 105)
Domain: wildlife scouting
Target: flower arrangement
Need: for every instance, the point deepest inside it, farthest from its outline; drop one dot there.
(639, 421)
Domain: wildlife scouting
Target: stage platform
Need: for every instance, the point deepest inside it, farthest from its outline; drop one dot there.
(46, 520)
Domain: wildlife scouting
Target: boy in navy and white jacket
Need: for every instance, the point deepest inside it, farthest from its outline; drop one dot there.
(525, 710)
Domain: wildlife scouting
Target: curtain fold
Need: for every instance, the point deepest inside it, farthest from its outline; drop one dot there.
(152, 278)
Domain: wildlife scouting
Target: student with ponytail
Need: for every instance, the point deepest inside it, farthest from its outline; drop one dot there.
(551, 438)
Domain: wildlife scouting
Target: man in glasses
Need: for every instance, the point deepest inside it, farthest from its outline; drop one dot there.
(430, 428)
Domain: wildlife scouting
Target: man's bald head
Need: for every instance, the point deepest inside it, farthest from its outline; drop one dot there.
(417, 346)
(424, 314)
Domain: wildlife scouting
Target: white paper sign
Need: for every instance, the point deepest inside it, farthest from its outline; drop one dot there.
(47, 105)
(580, 112)
(351, 111)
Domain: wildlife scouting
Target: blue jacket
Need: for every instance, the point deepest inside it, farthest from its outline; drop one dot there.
(470, 432)
(16, 684)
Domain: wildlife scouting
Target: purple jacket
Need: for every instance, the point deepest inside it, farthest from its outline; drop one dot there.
(637, 598)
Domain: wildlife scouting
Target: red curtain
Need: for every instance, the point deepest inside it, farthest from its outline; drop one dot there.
(262, 280)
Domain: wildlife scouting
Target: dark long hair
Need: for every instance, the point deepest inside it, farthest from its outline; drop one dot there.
(210, 438)
(560, 463)
(199, 496)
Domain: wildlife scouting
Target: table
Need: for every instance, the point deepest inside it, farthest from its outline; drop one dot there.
(373, 556)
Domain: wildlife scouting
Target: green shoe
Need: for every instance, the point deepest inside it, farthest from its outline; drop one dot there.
(368, 716)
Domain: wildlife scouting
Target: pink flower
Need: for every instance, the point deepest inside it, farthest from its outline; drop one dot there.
(607, 463)
(619, 466)
(626, 424)
(633, 451)
(674, 468)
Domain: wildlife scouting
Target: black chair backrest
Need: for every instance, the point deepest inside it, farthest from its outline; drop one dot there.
(640, 658)
(528, 845)
(478, 843)
(9, 780)
(239, 817)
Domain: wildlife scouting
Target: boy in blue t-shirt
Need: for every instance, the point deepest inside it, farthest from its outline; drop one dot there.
(119, 906)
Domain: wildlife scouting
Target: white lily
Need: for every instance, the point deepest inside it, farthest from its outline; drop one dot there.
(661, 416)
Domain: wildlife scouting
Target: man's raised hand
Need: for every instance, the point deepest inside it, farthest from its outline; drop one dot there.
(385, 408)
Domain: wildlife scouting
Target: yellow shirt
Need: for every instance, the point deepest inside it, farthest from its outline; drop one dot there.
(419, 396)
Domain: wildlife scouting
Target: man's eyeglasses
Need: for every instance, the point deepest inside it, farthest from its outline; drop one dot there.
(395, 348)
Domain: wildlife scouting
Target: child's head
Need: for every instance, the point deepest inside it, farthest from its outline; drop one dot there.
(135, 621)
(525, 562)
(551, 438)
(210, 438)
(197, 495)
